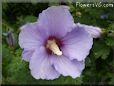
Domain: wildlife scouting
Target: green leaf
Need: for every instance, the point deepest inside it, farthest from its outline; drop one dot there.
(30, 19)
(100, 49)
(23, 20)
(110, 41)
(112, 80)
(105, 53)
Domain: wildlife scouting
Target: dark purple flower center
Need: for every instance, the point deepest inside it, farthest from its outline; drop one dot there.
(58, 42)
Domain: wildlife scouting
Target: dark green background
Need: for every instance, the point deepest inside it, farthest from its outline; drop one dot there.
(99, 64)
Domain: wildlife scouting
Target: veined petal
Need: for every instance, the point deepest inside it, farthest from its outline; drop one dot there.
(95, 32)
(66, 67)
(31, 36)
(27, 54)
(77, 44)
(57, 20)
(41, 67)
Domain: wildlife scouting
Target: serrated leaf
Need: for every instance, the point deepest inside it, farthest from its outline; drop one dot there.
(100, 49)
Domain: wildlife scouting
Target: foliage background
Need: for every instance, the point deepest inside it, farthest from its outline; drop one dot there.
(99, 64)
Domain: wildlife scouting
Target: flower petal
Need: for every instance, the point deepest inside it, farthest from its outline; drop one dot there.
(79, 64)
(95, 32)
(57, 19)
(77, 44)
(27, 54)
(66, 67)
(41, 67)
(30, 36)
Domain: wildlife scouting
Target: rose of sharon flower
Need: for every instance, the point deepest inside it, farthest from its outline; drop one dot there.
(55, 45)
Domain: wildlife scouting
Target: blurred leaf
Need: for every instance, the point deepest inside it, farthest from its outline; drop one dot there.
(110, 41)
(112, 81)
(30, 19)
(110, 31)
(101, 50)
(105, 53)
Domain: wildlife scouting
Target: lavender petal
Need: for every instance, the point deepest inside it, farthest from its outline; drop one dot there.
(57, 19)
(41, 67)
(77, 44)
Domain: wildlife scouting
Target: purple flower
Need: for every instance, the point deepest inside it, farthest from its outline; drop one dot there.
(55, 45)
